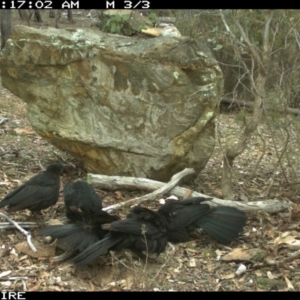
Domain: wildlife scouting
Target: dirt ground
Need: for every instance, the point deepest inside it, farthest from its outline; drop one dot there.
(268, 249)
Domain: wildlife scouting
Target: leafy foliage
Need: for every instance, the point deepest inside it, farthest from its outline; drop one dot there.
(115, 23)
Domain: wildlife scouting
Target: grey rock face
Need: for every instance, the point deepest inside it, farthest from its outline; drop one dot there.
(122, 105)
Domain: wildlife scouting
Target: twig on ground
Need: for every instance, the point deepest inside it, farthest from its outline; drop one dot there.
(7, 225)
(27, 233)
(4, 120)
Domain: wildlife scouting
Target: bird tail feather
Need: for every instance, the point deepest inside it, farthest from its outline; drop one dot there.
(73, 236)
(4, 202)
(96, 250)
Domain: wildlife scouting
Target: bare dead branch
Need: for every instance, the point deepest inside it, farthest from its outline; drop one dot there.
(251, 176)
(251, 47)
(7, 225)
(165, 188)
(27, 233)
(133, 183)
(266, 36)
(260, 58)
(4, 120)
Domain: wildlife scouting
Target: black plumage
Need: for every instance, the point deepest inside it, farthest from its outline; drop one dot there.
(81, 199)
(184, 217)
(143, 232)
(39, 192)
(84, 209)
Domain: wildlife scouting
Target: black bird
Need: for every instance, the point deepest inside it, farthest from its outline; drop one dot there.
(184, 217)
(39, 192)
(80, 199)
(84, 209)
(143, 231)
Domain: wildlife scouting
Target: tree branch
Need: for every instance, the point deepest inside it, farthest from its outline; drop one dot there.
(27, 233)
(164, 188)
(133, 183)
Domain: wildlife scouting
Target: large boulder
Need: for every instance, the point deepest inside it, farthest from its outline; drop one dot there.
(122, 105)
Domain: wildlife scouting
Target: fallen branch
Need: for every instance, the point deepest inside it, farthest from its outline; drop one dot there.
(132, 183)
(7, 225)
(159, 191)
(17, 278)
(27, 233)
(4, 120)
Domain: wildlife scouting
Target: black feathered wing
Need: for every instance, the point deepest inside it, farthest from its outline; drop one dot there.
(97, 249)
(133, 226)
(73, 236)
(140, 235)
(194, 200)
(223, 223)
(34, 195)
(42, 188)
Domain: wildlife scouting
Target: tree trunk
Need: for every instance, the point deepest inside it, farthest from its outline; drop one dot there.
(70, 15)
(37, 16)
(52, 13)
(57, 17)
(261, 60)
(24, 15)
(5, 26)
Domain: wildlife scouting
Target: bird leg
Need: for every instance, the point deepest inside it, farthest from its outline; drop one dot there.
(38, 215)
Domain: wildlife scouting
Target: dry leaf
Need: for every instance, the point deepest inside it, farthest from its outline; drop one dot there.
(289, 239)
(54, 222)
(287, 194)
(218, 192)
(228, 276)
(191, 250)
(295, 215)
(42, 250)
(187, 194)
(5, 273)
(22, 131)
(270, 275)
(6, 283)
(153, 31)
(255, 255)
(270, 233)
(289, 284)
(118, 195)
(192, 263)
